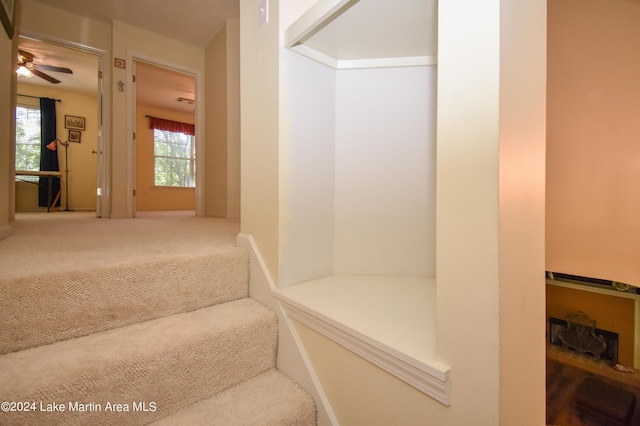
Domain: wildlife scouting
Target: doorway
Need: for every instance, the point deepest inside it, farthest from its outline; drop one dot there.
(165, 141)
(71, 76)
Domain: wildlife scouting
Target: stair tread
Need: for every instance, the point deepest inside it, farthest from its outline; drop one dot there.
(172, 361)
(270, 398)
(46, 308)
(117, 318)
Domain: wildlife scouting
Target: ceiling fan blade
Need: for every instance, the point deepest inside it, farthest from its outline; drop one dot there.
(24, 56)
(52, 68)
(45, 76)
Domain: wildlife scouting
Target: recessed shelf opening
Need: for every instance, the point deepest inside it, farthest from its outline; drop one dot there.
(361, 101)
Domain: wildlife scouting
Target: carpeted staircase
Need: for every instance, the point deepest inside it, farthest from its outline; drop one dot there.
(173, 342)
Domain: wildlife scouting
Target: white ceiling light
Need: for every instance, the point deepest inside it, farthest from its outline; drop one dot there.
(24, 72)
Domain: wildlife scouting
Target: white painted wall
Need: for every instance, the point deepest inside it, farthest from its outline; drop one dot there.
(357, 168)
(307, 152)
(468, 334)
(385, 171)
(490, 230)
(357, 151)
(490, 241)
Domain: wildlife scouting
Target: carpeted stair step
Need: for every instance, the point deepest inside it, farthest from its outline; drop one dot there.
(270, 399)
(152, 369)
(42, 309)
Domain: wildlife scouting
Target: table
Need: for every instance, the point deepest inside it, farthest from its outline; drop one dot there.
(49, 175)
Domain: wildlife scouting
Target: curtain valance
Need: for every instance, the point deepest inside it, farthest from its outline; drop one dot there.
(171, 126)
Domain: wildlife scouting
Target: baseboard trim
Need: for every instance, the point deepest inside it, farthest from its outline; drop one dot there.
(5, 231)
(292, 357)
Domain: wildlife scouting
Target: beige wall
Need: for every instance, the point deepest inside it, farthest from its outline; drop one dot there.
(149, 196)
(82, 160)
(259, 78)
(132, 43)
(593, 133)
(222, 95)
(216, 126)
(362, 394)
(233, 118)
(54, 24)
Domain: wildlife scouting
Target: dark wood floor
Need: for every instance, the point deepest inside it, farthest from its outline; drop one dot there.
(564, 376)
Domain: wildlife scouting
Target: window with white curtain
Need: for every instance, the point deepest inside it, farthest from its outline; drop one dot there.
(175, 159)
(28, 140)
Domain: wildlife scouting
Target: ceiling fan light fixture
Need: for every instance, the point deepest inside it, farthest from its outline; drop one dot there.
(24, 72)
(27, 69)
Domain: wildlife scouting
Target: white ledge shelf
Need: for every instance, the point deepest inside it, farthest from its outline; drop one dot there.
(352, 34)
(389, 321)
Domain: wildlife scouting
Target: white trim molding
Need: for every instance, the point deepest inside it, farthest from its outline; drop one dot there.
(350, 64)
(314, 22)
(432, 379)
(292, 357)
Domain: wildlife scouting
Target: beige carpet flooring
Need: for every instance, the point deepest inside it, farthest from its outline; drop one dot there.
(67, 241)
(139, 334)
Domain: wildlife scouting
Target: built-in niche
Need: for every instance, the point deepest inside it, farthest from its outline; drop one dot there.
(358, 146)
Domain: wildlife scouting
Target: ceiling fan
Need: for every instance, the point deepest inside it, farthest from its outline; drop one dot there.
(26, 67)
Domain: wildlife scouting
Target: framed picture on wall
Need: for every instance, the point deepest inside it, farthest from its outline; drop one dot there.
(74, 136)
(8, 16)
(73, 122)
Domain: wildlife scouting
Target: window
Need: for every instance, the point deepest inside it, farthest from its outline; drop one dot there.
(28, 140)
(175, 159)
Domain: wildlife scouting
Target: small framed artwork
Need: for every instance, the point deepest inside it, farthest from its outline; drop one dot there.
(8, 16)
(74, 136)
(119, 63)
(73, 122)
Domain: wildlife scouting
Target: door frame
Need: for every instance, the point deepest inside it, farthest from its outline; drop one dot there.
(132, 58)
(103, 117)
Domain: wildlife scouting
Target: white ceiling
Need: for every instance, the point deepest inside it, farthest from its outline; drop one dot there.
(156, 86)
(161, 87)
(194, 22)
(387, 31)
(84, 66)
(380, 29)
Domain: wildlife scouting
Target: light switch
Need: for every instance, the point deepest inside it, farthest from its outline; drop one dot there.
(263, 13)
